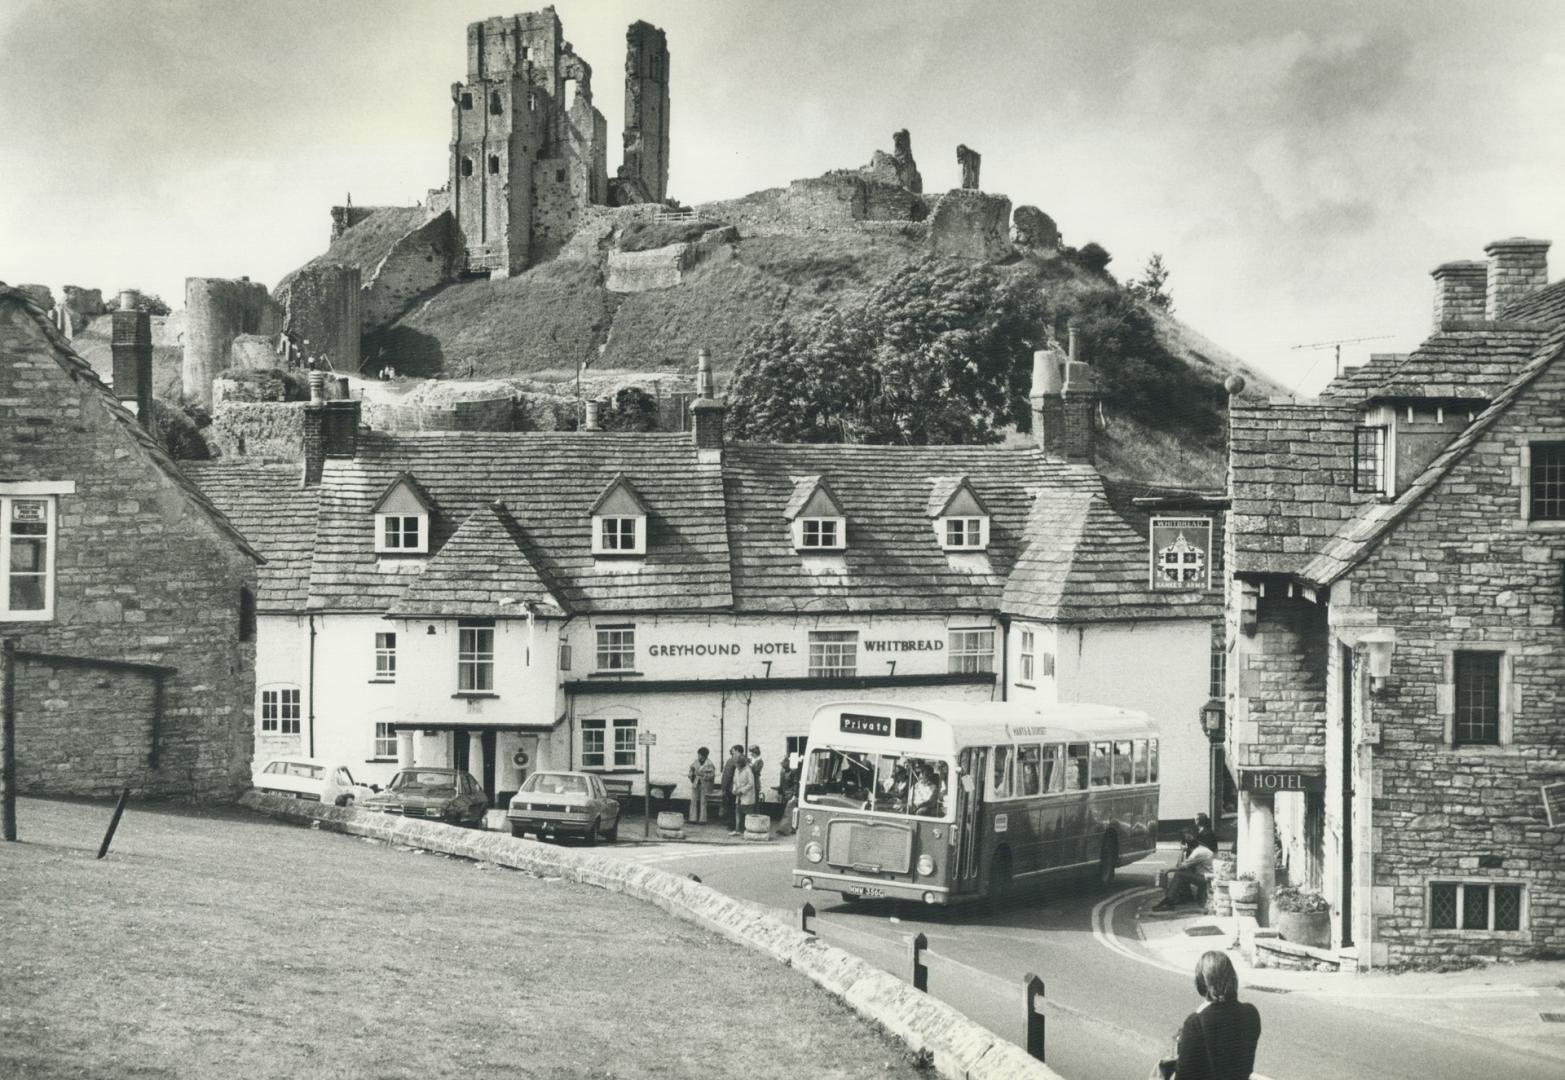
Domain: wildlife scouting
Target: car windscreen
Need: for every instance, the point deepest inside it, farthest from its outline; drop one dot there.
(555, 784)
(422, 781)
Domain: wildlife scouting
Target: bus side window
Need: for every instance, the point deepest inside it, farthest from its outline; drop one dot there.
(1027, 762)
(1152, 759)
(1053, 768)
(1000, 779)
(1076, 770)
(1141, 761)
(1122, 764)
(1101, 759)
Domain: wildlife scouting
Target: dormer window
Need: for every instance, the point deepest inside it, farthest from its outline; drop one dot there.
(960, 517)
(619, 520)
(821, 533)
(402, 518)
(817, 520)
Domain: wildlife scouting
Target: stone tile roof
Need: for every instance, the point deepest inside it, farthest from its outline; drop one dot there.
(893, 560)
(1471, 364)
(1360, 534)
(1083, 562)
(482, 571)
(1291, 480)
(72, 363)
(274, 512)
(550, 480)
(1546, 306)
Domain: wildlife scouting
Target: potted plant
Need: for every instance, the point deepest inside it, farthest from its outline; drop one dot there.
(1301, 916)
(1244, 889)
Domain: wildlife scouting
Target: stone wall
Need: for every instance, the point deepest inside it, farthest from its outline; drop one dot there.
(1465, 570)
(1280, 708)
(971, 225)
(423, 259)
(261, 429)
(664, 267)
(142, 575)
(322, 314)
(217, 310)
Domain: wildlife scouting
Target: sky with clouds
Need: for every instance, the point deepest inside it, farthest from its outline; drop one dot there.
(1300, 166)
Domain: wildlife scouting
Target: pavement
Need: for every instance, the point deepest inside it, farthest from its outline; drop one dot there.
(633, 829)
(1512, 1002)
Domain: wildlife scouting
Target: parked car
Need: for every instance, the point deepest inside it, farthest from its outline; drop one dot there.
(564, 804)
(450, 795)
(312, 779)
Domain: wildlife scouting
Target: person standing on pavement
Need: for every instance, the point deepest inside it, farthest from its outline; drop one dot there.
(703, 772)
(744, 794)
(735, 756)
(756, 766)
(1218, 1040)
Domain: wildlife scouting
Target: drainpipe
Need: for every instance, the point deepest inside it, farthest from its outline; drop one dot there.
(312, 686)
(1004, 622)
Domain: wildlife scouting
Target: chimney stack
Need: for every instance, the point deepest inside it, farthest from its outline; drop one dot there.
(1080, 407)
(131, 349)
(707, 412)
(1048, 402)
(1461, 290)
(1517, 266)
(331, 429)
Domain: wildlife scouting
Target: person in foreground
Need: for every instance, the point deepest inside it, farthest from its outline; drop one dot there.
(1218, 1040)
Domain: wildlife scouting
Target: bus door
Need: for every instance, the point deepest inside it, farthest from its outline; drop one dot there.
(972, 766)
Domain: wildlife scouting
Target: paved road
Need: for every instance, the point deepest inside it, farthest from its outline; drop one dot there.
(1109, 1013)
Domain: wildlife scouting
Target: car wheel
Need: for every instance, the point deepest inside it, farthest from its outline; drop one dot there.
(611, 835)
(1108, 861)
(592, 833)
(344, 800)
(517, 830)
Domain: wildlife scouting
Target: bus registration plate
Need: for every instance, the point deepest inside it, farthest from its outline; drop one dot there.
(868, 891)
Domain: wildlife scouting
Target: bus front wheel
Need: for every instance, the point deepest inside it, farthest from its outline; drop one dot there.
(1108, 861)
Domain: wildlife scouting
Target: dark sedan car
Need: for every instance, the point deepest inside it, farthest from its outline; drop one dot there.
(449, 795)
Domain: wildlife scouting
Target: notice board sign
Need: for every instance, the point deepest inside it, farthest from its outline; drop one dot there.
(1554, 804)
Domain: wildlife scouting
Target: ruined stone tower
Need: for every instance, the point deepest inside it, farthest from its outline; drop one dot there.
(643, 176)
(527, 146)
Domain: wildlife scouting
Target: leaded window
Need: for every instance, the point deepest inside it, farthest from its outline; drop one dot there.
(1547, 481)
(1369, 459)
(1475, 906)
(1477, 721)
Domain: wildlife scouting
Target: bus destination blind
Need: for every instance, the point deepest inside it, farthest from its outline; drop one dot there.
(854, 724)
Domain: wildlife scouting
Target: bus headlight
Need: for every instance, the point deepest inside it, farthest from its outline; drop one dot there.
(813, 852)
(926, 865)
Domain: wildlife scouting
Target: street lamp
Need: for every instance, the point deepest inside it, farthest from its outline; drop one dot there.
(1378, 646)
(1212, 715)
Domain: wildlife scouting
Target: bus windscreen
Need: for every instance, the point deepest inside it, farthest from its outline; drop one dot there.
(881, 783)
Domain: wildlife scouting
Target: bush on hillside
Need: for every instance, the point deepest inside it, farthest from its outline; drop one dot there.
(178, 429)
(631, 409)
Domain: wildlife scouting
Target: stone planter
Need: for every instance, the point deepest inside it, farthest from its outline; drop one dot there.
(671, 825)
(757, 827)
(1246, 909)
(1217, 900)
(1312, 928)
(1244, 891)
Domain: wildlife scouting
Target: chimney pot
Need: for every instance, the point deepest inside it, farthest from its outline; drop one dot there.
(1517, 266)
(591, 421)
(129, 298)
(317, 387)
(703, 374)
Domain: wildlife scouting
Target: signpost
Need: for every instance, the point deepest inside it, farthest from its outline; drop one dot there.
(647, 739)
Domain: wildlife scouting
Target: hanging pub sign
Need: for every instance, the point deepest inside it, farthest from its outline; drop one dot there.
(1181, 553)
(1261, 780)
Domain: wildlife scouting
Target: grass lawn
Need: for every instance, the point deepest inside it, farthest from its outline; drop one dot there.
(214, 943)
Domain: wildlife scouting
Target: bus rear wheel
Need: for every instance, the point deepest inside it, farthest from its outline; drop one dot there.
(1108, 861)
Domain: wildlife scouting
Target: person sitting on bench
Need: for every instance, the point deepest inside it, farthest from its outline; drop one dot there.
(1191, 873)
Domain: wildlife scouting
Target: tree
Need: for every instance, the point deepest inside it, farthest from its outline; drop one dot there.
(631, 409)
(1094, 257)
(1149, 287)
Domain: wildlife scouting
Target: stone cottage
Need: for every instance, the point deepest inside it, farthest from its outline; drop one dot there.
(126, 597)
(1396, 621)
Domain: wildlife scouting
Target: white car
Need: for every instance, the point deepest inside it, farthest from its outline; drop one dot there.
(312, 779)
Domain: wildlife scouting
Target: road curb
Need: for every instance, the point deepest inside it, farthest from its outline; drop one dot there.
(958, 1048)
